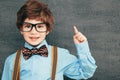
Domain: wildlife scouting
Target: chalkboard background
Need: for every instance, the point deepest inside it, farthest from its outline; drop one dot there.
(99, 20)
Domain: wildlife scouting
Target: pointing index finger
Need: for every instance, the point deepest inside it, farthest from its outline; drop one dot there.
(75, 30)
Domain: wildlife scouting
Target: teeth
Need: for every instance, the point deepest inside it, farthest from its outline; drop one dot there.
(34, 37)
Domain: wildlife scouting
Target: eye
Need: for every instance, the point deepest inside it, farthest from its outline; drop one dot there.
(27, 26)
(40, 26)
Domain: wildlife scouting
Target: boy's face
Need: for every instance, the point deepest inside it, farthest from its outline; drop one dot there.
(37, 34)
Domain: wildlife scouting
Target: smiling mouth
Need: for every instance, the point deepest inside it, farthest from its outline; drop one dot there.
(34, 38)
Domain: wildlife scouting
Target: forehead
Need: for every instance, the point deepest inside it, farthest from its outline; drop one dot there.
(33, 21)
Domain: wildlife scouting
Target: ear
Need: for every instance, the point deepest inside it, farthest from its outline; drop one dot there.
(47, 32)
(21, 32)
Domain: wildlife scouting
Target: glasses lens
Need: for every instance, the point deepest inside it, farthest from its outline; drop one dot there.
(41, 27)
(26, 27)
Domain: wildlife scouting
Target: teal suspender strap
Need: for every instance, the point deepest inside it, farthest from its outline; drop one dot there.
(16, 71)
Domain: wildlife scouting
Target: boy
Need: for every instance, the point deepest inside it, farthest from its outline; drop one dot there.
(35, 21)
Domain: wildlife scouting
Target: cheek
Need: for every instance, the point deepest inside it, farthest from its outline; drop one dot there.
(42, 36)
(25, 36)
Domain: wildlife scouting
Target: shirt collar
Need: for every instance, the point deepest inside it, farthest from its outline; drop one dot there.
(44, 42)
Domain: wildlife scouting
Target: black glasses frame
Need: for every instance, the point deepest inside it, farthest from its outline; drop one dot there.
(34, 25)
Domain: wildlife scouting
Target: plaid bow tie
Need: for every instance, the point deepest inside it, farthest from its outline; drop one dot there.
(27, 53)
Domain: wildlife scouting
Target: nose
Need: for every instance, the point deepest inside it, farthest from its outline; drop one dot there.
(33, 31)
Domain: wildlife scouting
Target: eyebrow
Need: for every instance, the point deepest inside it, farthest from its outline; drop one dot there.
(36, 23)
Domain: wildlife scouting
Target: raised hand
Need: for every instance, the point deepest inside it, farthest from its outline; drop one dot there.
(78, 37)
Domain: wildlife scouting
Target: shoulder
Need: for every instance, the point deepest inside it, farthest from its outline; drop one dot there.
(60, 49)
(10, 58)
(64, 53)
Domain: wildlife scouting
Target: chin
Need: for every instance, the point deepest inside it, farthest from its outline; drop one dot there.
(34, 45)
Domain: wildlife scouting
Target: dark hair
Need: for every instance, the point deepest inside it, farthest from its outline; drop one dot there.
(33, 9)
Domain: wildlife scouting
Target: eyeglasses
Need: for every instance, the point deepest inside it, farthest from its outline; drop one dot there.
(39, 27)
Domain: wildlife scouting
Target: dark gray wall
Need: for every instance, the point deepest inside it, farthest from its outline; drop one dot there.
(97, 19)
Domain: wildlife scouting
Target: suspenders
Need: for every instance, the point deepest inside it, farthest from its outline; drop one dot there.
(16, 71)
(54, 62)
